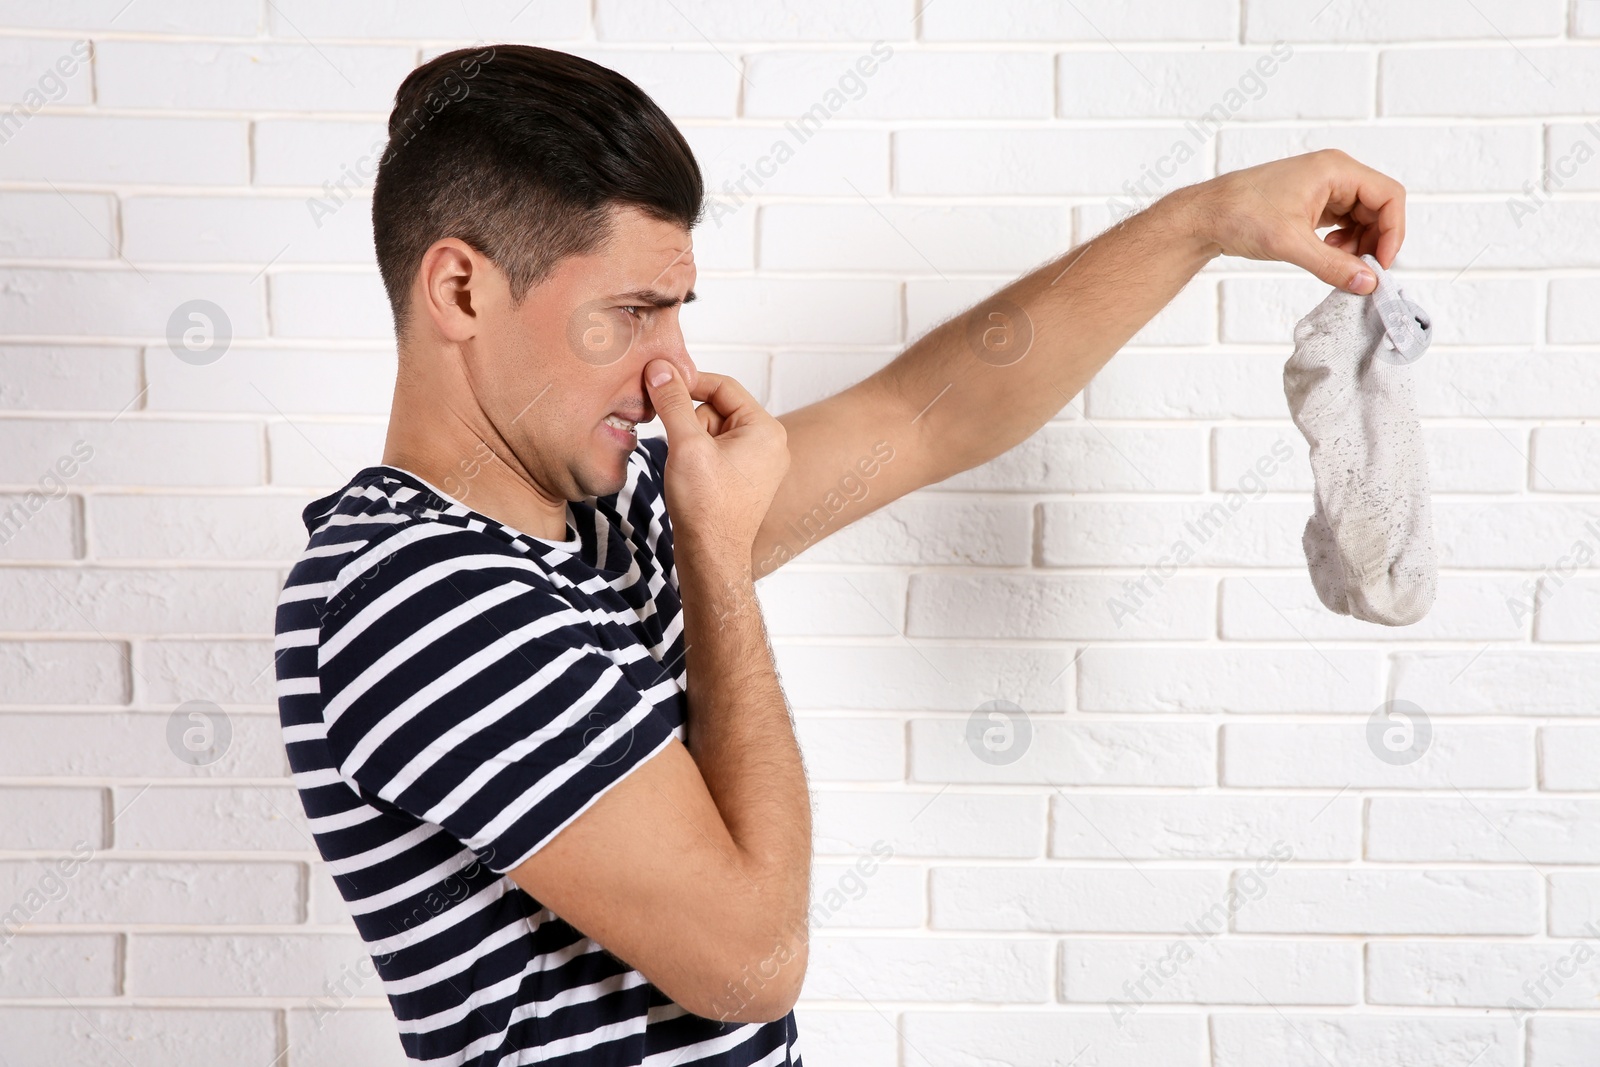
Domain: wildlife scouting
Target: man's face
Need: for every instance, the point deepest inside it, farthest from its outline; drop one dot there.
(558, 372)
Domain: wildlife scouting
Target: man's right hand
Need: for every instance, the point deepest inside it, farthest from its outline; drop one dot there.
(725, 460)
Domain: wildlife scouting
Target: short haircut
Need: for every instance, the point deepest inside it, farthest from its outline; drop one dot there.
(521, 152)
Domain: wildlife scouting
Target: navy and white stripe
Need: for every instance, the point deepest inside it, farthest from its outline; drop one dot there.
(452, 693)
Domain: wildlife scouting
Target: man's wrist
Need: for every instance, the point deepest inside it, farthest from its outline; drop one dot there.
(1190, 220)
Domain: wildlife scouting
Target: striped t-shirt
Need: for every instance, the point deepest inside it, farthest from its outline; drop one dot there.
(452, 693)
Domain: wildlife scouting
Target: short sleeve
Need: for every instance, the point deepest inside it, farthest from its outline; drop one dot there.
(459, 688)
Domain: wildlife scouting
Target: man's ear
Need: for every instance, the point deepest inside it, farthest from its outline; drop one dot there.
(451, 272)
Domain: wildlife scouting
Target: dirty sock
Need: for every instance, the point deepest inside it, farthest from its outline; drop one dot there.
(1369, 542)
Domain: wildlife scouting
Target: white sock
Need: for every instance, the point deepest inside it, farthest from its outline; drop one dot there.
(1369, 543)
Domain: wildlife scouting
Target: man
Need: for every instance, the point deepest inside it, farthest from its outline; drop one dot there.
(524, 682)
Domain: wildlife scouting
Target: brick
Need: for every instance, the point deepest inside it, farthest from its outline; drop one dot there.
(326, 306)
(1220, 385)
(1203, 826)
(1090, 21)
(1046, 606)
(925, 528)
(63, 378)
(1566, 605)
(494, 20)
(1573, 314)
(351, 1035)
(65, 819)
(209, 818)
(1512, 533)
(1569, 758)
(270, 381)
(310, 152)
(823, 604)
(226, 672)
(282, 77)
(1288, 609)
(1573, 896)
(1317, 754)
(740, 162)
(867, 894)
(58, 965)
(1454, 158)
(58, 225)
(1036, 162)
(1503, 683)
(133, 451)
(683, 84)
(1566, 459)
(864, 1037)
(1227, 84)
(179, 1037)
(248, 965)
(922, 676)
(1480, 974)
(1056, 753)
(953, 1038)
(255, 231)
(900, 238)
(1230, 680)
(63, 672)
(99, 603)
(1239, 528)
(124, 149)
(1396, 902)
(39, 72)
(1553, 1040)
(153, 527)
(906, 85)
(802, 378)
(1093, 458)
(41, 524)
(117, 891)
(750, 311)
(132, 744)
(1568, 150)
(1513, 233)
(1479, 830)
(852, 750)
(1279, 1039)
(322, 456)
(659, 21)
(121, 302)
(188, 17)
(1063, 900)
(919, 968)
(1543, 385)
(1219, 972)
(1188, 319)
(1307, 20)
(930, 823)
(1492, 80)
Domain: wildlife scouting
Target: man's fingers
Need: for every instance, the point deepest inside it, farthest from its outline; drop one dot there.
(671, 400)
(724, 394)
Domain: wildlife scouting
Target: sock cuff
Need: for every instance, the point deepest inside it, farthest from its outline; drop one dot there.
(1409, 328)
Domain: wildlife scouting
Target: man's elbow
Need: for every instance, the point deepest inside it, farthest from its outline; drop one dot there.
(757, 986)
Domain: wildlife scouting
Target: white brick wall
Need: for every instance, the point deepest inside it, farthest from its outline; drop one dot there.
(1196, 858)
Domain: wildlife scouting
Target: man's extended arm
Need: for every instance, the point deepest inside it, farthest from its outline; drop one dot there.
(961, 395)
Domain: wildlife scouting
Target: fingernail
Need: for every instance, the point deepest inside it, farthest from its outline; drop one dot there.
(661, 375)
(1362, 282)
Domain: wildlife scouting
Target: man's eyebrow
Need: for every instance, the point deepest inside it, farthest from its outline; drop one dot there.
(656, 298)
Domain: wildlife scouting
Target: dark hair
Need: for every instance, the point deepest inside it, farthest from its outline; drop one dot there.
(521, 152)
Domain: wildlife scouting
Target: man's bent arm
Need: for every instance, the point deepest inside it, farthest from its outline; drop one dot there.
(742, 738)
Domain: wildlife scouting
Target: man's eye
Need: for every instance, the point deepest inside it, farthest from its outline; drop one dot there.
(632, 309)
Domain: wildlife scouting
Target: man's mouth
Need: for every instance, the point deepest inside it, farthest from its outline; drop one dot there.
(625, 425)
